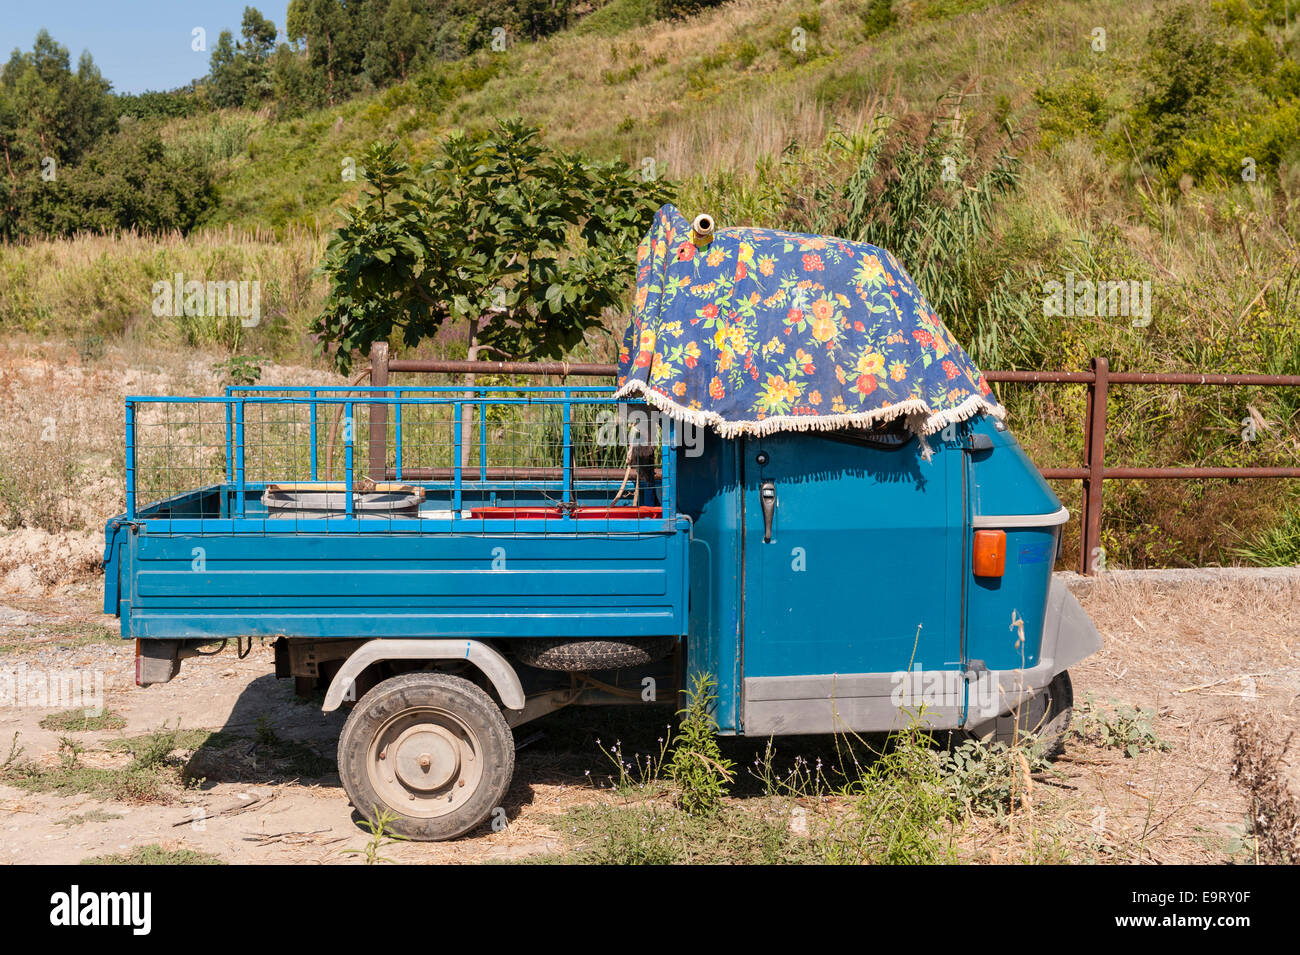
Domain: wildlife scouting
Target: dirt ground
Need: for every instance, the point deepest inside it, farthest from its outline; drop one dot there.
(1198, 649)
(1202, 649)
(254, 814)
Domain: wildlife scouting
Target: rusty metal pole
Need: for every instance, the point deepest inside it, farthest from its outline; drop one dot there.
(562, 369)
(1083, 497)
(1095, 448)
(378, 413)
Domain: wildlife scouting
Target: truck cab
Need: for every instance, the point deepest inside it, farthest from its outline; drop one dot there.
(837, 585)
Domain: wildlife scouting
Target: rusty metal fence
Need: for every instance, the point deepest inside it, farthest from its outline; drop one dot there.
(1093, 473)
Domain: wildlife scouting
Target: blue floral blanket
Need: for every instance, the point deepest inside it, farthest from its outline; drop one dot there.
(758, 330)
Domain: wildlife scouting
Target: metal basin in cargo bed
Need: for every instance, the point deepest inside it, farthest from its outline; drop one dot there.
(326, 499)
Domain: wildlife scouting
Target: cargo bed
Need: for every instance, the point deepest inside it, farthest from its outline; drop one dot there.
(542, 537)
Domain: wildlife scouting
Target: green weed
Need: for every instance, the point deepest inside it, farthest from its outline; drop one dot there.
(1122, 726)
(697, 767)
(77, 721)
(380, 836)
(155, 854)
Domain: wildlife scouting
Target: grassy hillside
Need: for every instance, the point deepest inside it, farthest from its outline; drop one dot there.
(763, 111)
(717, 94)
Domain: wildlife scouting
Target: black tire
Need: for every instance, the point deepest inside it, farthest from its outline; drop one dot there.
(1046, 717)
(453, 762)
(574, 655)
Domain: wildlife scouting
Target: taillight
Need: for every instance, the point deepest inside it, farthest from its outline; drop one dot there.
(989, 558)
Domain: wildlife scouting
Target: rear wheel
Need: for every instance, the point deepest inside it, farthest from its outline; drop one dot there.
(432, 750)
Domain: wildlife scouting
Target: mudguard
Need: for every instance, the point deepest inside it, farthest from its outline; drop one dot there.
(494, 665)
(1069, 635)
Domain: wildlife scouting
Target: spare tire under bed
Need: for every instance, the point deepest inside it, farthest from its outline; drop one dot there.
(579, 654)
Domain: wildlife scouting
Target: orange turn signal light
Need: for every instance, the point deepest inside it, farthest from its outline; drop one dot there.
(990, 554)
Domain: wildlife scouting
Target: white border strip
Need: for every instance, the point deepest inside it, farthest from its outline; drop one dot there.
(1022, 520)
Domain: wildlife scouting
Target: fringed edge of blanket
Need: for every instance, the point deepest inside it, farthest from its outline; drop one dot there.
(920, 418)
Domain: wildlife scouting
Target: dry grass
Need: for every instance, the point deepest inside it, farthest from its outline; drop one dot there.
(61, 460)
(95, 288)
(1202, 653)
(732, 138)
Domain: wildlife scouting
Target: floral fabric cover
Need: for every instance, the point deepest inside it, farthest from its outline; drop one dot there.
(759, 330)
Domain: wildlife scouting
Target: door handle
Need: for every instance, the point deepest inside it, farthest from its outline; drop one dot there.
(767, 493)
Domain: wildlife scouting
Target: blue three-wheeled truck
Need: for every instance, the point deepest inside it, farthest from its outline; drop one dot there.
(801, 486)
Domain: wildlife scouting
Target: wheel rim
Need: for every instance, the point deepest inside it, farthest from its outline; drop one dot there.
(425, 762)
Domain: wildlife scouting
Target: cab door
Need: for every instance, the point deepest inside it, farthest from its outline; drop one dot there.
(852, 570)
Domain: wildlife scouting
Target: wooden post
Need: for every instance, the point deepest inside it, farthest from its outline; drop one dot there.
(1091, 558)
(378, 443)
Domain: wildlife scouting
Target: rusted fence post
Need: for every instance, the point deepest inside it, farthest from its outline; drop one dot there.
(378, 443)
(1091, 558)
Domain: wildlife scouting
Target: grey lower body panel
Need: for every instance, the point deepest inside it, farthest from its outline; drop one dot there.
(838, 703)
(883, 702)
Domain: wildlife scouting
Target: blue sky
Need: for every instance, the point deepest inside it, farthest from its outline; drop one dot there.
(138, 44)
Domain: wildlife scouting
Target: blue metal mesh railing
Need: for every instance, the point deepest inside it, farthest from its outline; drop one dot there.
(540, 458)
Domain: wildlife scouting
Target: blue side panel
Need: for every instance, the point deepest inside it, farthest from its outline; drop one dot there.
(1005, 616)
(385, 585)
(709, 492)
(1004, 480)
